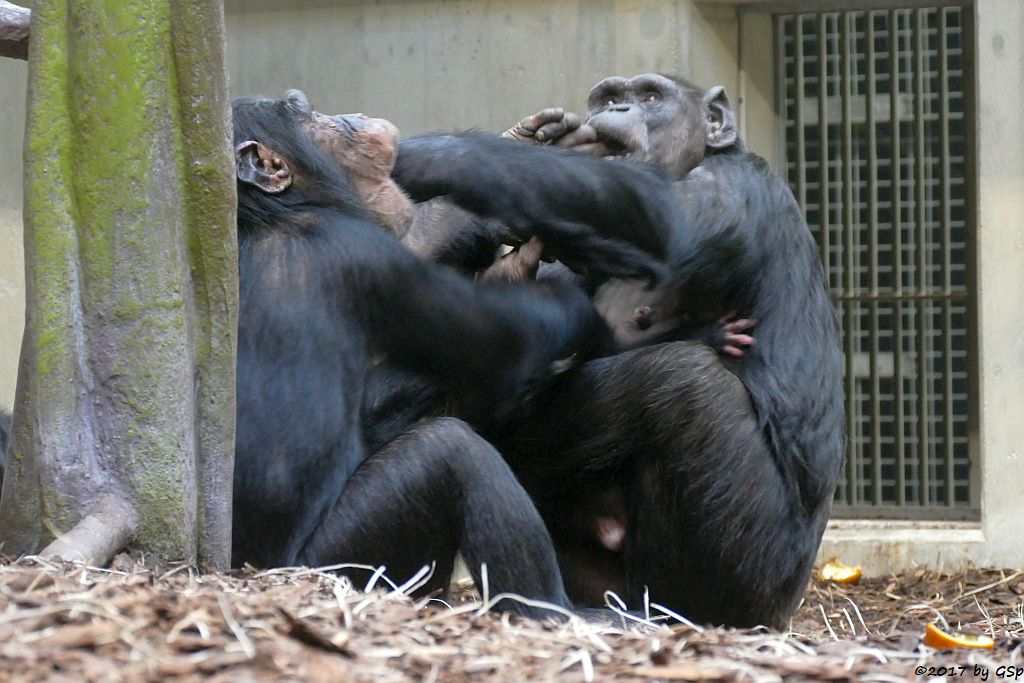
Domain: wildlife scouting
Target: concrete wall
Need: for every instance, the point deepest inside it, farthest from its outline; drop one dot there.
(998, 540)
(471, 63)
(13, 75)
(1000, 258)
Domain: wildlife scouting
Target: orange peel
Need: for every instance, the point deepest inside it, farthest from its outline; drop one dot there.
(838, 572)
(940, 640)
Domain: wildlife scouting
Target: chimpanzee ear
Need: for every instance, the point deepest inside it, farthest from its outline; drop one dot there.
(721, 119)
(258, 165)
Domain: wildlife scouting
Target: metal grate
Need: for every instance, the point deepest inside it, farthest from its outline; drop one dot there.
(878, 140)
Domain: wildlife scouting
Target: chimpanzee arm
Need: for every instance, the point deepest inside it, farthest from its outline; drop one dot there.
(430, 319)
(445, 233)
(617, 212)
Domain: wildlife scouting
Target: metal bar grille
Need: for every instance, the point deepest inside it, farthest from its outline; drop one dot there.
(875, 110)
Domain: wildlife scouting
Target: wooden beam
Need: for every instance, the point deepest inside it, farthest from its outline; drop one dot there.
(14, 21)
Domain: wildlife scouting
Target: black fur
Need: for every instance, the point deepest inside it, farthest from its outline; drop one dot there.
(727, 466)
(602, 225)
(334, 311)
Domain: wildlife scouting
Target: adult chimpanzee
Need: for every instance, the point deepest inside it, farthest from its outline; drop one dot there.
(719, 470)
(328, 298)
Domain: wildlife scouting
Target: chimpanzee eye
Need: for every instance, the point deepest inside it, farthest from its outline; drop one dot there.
(609, 101)
(652, 97)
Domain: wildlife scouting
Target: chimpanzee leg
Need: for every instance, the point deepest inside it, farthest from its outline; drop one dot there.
(436, 489)
(712, 532)
(708, 530)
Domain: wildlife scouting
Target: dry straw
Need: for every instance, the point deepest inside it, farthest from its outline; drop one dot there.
(129, 623)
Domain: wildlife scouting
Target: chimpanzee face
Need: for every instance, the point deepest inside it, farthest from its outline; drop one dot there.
(364, 146)
(362, 149)
(660, 120)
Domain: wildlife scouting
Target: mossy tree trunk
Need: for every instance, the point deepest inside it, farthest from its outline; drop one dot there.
(124, 412)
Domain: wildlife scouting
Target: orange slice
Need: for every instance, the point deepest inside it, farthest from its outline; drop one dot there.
(837, 572)
(940, 640)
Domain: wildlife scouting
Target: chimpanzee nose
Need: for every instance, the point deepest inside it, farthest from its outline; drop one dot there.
(620, 107)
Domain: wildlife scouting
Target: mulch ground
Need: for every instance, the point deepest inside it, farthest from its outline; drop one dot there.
(73, 623)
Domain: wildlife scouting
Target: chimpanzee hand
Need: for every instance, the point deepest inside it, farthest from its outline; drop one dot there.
(559, 128)
(729, 337)
(587, 337)
(553, 125)
(519, 265)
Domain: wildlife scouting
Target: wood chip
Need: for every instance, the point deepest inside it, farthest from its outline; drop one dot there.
(685, 672)
(73, 623)
(79, 635)
(221, 660)
(304, 633)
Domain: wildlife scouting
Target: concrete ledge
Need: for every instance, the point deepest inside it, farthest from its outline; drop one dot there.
(883, 547)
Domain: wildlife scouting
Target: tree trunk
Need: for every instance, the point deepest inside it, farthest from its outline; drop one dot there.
(124, 413)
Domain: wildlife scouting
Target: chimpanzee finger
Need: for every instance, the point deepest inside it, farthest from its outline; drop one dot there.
(572, 121)
(555, 130)
(738, 340)
(582, 135)
(526, 129)
(545, 117)
(733, 351)
(517, 265)
(733, 344)
(531, 251)
(594, 149)
(741, 325)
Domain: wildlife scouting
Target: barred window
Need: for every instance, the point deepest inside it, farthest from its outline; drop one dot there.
(876, 108)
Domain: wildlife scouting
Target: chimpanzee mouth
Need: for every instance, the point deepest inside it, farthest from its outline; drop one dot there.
(621, 143)
(613, 147)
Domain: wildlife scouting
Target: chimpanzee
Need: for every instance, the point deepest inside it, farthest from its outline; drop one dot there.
(719, 470)
(331, 465)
